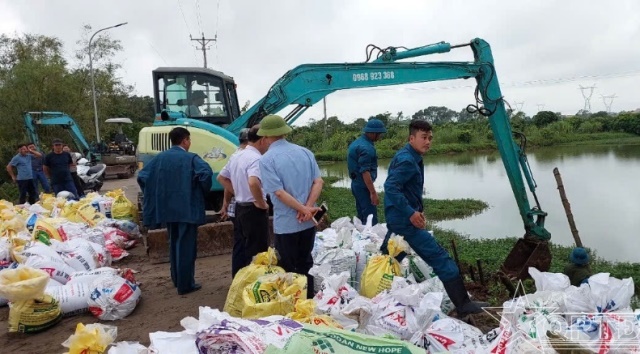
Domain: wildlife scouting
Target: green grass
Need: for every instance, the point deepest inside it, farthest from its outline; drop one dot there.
(342, 203)
(491, 252)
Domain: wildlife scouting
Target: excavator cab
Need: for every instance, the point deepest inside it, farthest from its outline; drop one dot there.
(120, 143)
(199, 93)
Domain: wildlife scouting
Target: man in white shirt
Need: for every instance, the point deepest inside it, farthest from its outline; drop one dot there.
(251, 225)
(229, 201)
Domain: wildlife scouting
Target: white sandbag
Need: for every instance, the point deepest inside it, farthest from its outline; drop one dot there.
(5, 250)
(419, 268)
(37, 248)
(73, 298)
(334, 293)
(549, 281)
(445, 334)
(129, 348)
(69, 230)
(343, 223)
(363, 249)
(55, 267)
(113, 298)
(403, 312)
(88, 277)
(54, 283)
(78, 253)
(104, 256)
(609, 293)
(341, 260)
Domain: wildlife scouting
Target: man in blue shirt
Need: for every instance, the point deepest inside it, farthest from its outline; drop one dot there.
(38, 171)
(404, 215)
(290, 174)
(57, 165)
(362, 162)
(174, 185)
(24, 179)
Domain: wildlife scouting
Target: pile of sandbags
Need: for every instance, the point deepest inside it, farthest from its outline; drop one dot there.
(74, 243)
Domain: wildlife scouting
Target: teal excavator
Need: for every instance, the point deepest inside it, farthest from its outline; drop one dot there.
(205, 102)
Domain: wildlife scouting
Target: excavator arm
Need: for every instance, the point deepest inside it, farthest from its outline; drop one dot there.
(34, 119)
(307, 84)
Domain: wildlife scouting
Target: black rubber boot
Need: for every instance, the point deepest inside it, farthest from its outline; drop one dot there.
(460, 299)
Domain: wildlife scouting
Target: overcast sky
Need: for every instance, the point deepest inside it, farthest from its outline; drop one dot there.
(543, 50)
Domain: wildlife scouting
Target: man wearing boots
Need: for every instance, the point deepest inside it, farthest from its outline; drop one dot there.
(404, 215)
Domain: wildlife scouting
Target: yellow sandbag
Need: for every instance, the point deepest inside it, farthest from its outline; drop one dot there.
(304, 312)
(89, 215)
(381, 268)
(23, 283)
(5, 205)
(15, 224)
(115, 193)
(273, 294)
(7, 214)
(263, 263)
(47, 201)
(34, 315)
(44, 230)
(122, 208)
(93, 338)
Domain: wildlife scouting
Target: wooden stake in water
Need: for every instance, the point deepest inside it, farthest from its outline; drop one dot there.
(567, 207)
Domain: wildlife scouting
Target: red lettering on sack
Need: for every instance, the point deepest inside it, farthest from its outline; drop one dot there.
(48, 270)
(123, 293)
(446, 342)
(96, 311)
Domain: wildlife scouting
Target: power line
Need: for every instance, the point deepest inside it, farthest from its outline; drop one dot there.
(608, 106)
(216, 34)
(587, 99)
(184, 17)
(157, 52)
(203, 45)
(515, 84)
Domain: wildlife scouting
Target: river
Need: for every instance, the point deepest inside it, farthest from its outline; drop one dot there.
(601, 183)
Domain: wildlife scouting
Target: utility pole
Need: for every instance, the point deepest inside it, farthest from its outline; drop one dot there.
(608, 106)
(203, 45)
(587, 99)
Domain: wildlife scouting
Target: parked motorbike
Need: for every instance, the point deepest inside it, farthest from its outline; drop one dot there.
(92, 177)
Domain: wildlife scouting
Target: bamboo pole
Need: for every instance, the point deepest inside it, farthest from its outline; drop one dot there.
(567, 207)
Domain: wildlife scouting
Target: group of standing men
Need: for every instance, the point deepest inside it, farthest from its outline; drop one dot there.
(403, 203)
(34, 168)
(175, 182)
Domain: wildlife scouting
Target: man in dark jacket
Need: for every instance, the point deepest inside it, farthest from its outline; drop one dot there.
(362, 161)
(578, 270)
(174, 185)
(404, 212)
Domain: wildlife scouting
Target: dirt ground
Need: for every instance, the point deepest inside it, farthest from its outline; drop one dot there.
(160, 307)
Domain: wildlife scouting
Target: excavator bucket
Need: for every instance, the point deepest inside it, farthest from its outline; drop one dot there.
(527, 253)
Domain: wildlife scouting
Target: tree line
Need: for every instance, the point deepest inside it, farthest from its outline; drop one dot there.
(38, 74)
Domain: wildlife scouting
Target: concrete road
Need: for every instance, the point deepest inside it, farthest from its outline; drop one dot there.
(128, 185)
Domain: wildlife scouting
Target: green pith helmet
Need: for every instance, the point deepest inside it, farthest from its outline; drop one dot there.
(273, 125)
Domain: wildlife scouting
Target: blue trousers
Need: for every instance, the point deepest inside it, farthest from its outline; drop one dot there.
(364, 208)
(183, 240)
(40, 178)
(427, 248)
(68, 186)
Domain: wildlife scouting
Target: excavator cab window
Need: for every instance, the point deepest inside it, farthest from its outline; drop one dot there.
(198, 96)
